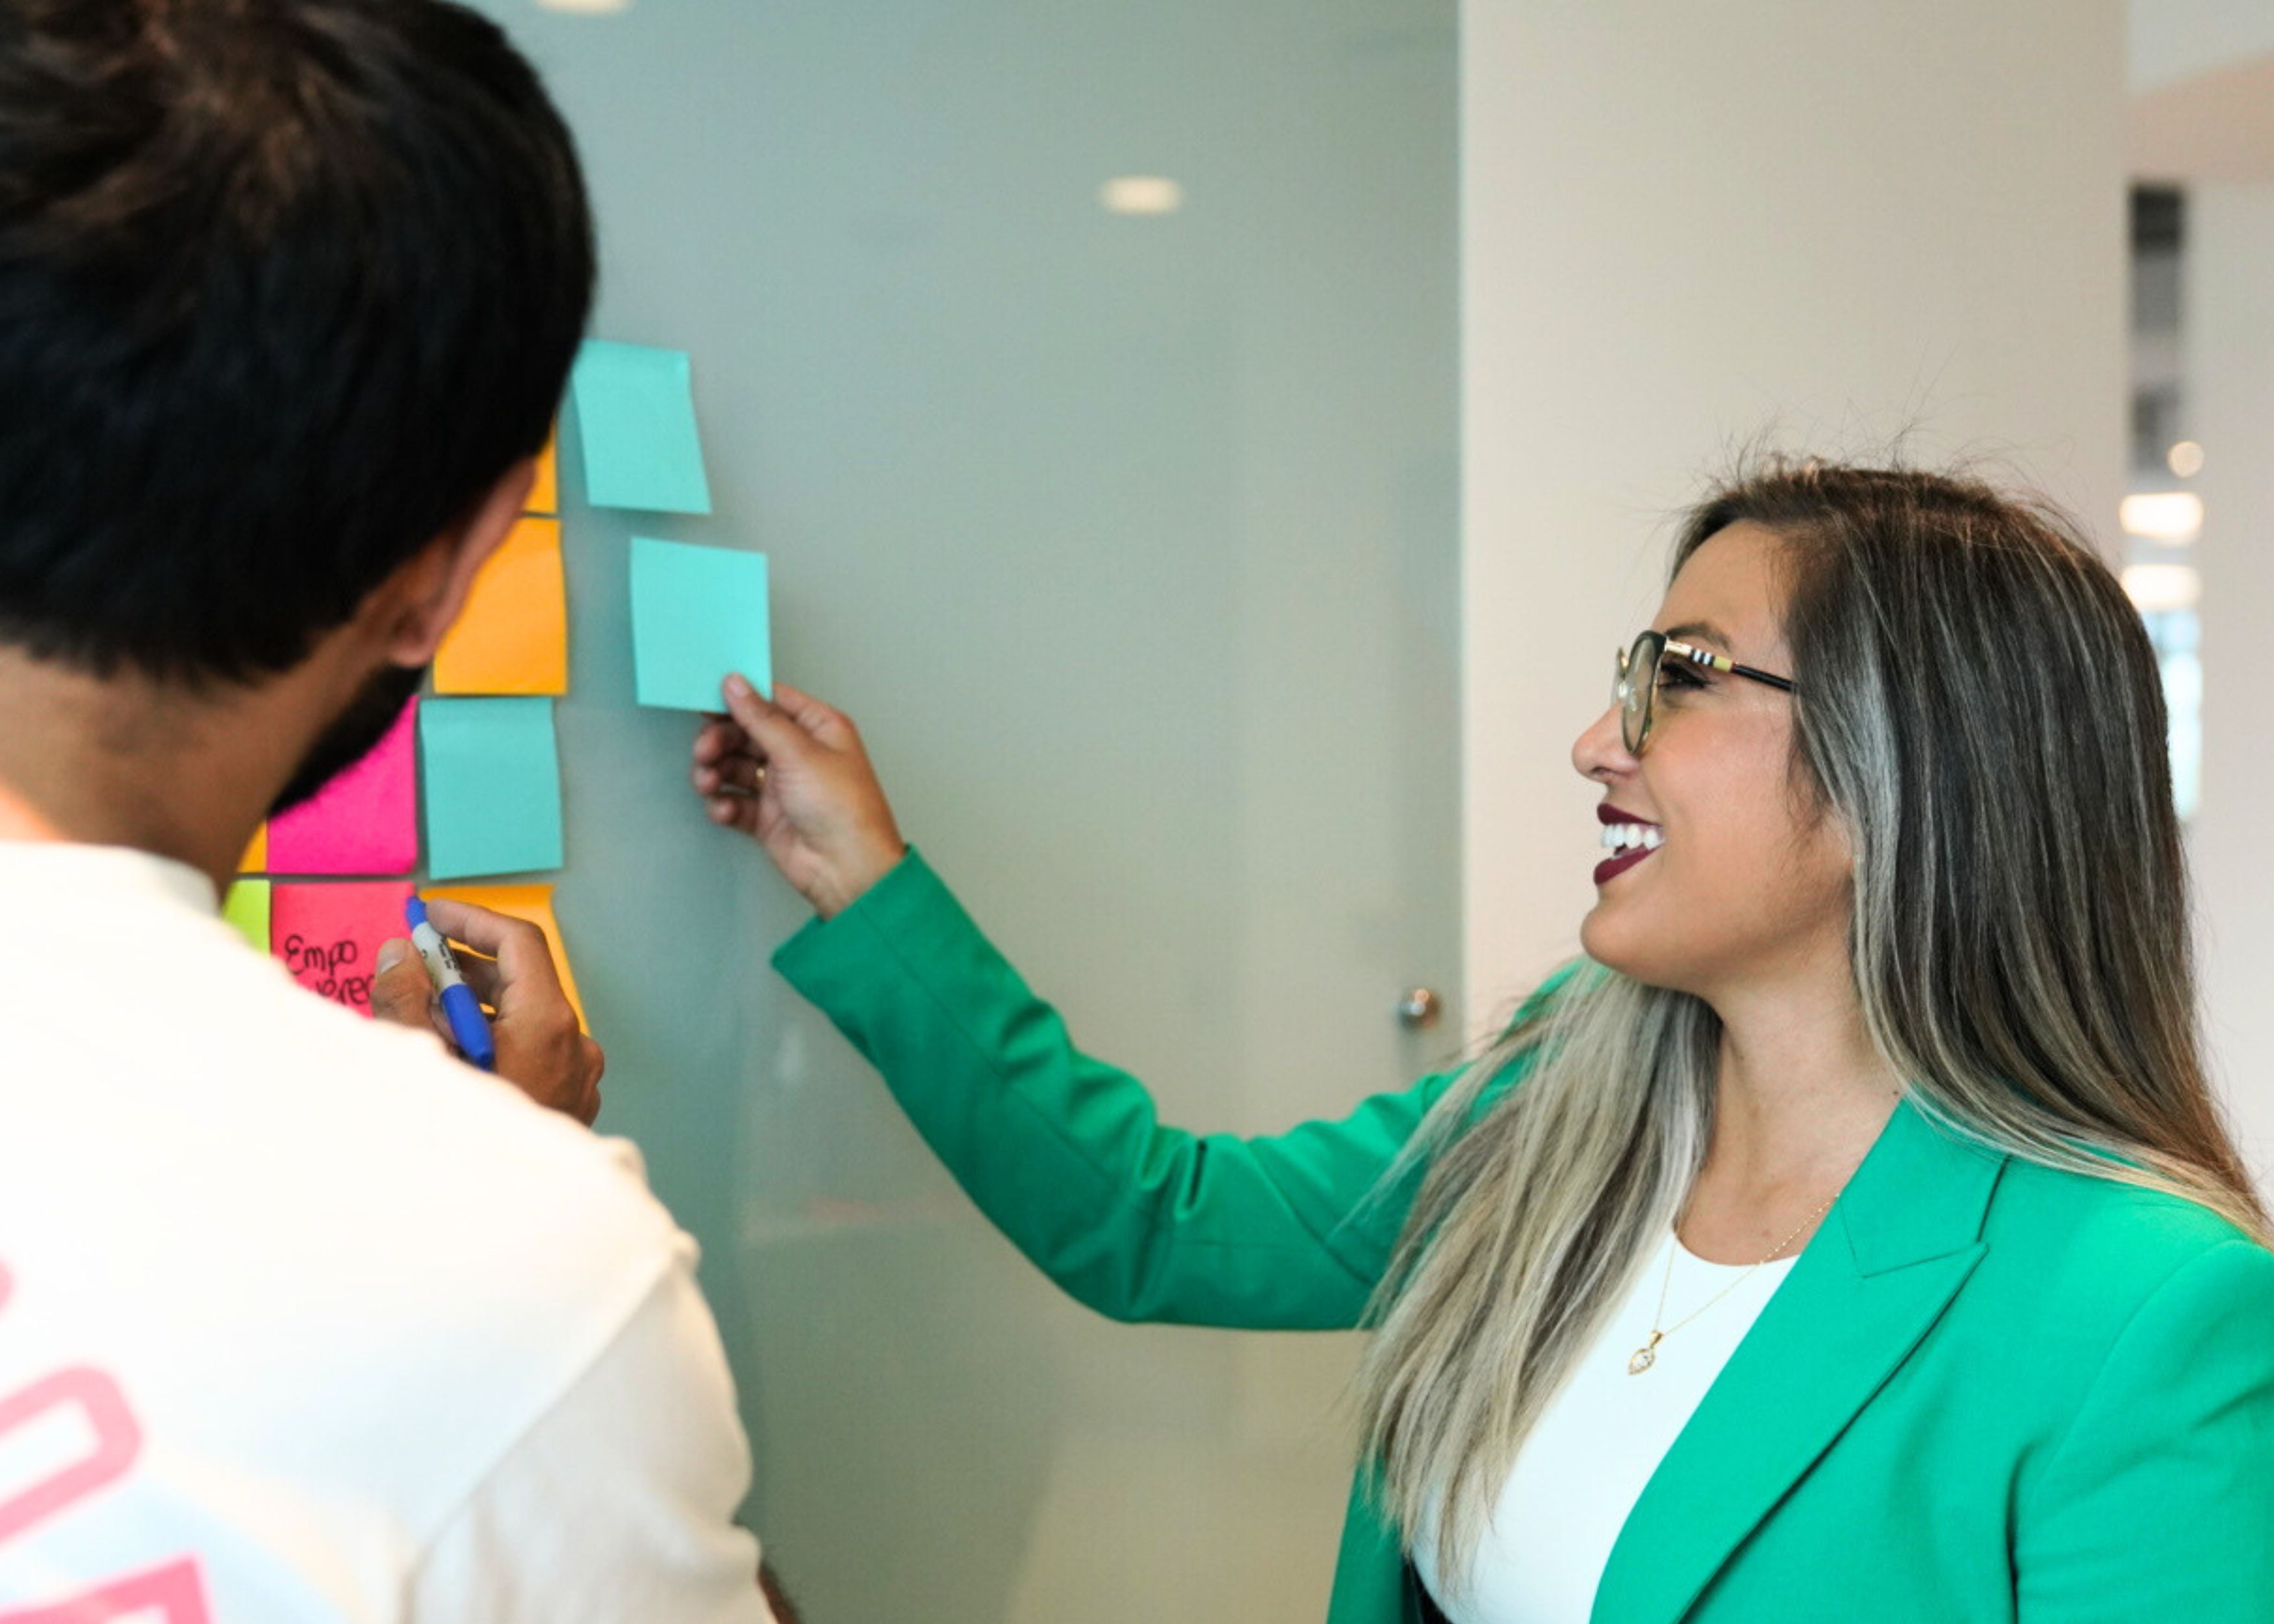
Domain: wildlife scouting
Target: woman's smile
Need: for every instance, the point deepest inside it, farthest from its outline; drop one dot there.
(1629, 839)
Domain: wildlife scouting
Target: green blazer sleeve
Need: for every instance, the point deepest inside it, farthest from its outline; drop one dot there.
(2159, 1501)
(1065, 1154)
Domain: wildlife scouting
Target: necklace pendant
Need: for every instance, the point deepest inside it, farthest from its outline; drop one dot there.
(1645, 1355)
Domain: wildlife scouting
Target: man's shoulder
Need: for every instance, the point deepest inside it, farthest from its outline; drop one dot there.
(458, 1167)
(357, 1166)
(316, 1246)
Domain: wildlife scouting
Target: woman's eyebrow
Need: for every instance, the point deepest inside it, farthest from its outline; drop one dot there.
(1699, 631)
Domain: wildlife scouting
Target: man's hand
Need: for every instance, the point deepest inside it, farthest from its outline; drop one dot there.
(794, 775)
(541, 1049)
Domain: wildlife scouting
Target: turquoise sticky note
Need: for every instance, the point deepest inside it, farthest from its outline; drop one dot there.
(636, 419)
(698, 613)
(493, 787)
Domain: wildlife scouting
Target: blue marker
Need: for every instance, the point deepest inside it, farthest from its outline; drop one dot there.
(469, 1026)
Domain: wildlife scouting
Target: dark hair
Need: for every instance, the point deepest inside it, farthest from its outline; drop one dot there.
(285, 287)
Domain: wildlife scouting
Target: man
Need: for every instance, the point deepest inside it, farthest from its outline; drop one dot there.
(300, 1319)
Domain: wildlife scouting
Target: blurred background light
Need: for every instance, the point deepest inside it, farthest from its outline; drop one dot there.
(1142, 194)
(2173, 516)
(2156, 589)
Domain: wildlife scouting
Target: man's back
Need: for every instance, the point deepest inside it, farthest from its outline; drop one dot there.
(299, 1318)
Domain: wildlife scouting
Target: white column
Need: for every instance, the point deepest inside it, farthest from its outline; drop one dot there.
(1689, 222)
(2227, 317)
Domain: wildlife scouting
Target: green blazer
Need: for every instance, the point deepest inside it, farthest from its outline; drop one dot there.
(1987, 1391)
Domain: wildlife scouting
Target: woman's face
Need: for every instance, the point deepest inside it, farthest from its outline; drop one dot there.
(1751, 880)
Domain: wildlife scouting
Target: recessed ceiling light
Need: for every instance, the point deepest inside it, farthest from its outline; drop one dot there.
(2184, 459)
(589, 8)
(1142, 194)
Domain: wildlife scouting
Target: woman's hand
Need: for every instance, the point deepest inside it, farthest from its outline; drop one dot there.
(794, 776)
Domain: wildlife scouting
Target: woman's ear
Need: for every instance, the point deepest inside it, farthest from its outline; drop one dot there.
(416, 608)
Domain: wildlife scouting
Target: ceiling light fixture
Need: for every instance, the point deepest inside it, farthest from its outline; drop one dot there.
(1142, 194)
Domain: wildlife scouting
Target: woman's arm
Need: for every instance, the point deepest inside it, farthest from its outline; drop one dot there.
(2159, 1502)
(1064, 1152)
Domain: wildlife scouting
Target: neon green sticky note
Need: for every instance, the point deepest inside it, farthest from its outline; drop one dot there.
(698, 613)
(246, 908)
(635, 420)
(493, 773)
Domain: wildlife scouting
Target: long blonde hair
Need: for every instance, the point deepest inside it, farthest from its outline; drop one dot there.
(1978, 704)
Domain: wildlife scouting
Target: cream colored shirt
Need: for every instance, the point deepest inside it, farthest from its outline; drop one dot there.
(300, 1319)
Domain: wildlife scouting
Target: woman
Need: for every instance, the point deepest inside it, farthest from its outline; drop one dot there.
(1851, 1235)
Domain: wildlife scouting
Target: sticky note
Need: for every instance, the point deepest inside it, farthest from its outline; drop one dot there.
(698, 613)
(636, 419)
(363, 821)
(544, 494)
(246, 909)
(327, 935)
(533, 903)
(513, 637)
(493, 787)
(255, 860)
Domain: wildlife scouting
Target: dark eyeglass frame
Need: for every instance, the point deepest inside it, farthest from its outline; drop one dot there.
(1637, 700)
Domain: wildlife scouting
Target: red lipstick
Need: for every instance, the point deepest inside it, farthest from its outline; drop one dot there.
(1611, 867)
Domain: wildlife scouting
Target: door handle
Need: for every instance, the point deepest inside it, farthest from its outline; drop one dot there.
(1420, 1008)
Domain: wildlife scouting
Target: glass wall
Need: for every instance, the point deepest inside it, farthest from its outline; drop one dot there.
(1088, 375)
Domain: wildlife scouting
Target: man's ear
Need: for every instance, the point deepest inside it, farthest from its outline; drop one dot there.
(430, 592)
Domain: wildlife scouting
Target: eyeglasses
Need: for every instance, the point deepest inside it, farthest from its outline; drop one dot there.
(1636, 686)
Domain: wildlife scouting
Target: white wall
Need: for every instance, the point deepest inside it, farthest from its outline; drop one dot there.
(2172, 40)
(1690, 220)
(2228, 304)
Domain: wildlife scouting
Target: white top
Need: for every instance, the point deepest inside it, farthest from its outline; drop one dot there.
(300, 1319)
(1586, 1463)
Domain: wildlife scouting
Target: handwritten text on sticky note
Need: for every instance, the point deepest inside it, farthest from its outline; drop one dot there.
(328, 934)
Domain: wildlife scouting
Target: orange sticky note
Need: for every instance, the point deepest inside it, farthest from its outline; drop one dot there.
(255, 860)
(544, 495)
(514, 636)
(533, 903)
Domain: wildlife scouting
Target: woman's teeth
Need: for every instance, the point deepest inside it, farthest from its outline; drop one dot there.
(1621, 836)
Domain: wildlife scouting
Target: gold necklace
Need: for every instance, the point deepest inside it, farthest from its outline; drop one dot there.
(1646, 1355)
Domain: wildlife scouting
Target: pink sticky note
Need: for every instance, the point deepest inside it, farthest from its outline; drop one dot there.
(328, 934)
(365, 821)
